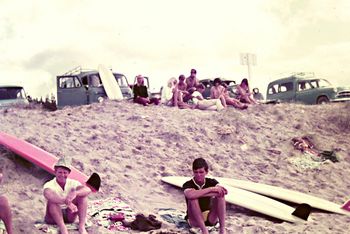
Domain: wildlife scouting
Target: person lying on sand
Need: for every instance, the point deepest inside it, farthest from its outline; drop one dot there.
(205, 104)
(5, 211)
(141, 93)
(66, 199)
(205, 199)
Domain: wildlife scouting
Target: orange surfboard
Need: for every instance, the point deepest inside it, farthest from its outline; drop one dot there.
(45, 160)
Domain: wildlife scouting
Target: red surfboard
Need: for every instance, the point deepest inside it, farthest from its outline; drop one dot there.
(45, 160)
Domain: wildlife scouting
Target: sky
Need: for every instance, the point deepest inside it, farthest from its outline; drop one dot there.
(161, 39)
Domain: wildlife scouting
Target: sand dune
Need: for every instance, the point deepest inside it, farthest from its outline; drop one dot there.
(132, 147)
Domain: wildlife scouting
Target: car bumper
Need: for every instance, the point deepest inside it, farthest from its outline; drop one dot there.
(341, 100)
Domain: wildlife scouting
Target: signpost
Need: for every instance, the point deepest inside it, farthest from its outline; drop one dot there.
(248, 59)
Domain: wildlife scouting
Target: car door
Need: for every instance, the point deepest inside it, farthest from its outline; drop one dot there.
(70, 91)
(306, 93)
(95, 88)
(283, 92)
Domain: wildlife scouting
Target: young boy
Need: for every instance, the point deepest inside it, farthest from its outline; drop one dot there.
(205, 199)
(66, 199)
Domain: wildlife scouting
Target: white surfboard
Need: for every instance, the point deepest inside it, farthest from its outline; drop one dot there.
(285, 194)
(110, 84)
(248, 200)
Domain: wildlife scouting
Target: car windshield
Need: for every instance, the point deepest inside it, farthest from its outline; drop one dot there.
(12, 93)
(324, 83)
(121, 79)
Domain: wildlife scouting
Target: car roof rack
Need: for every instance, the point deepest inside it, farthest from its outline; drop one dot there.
(77, 70)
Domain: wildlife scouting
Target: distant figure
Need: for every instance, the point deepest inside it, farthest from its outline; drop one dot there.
(5, 211)
(168, 92)
(244, 93)
(232, 101)
(181, 94)
(217, 91)
(192, 81)
(204, 104)
(141, 93)
(205, 199)
(66, 199)
(257, 95)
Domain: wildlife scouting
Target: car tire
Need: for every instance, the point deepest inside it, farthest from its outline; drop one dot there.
(322, 100)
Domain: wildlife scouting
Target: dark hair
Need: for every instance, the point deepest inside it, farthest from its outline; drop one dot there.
(245, 81)
(200, 163)
(217, 80)
(182, 76)
(193, 71)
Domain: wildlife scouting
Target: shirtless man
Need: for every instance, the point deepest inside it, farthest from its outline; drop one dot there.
(192, 81)
(5, 211)
(205, 199)
(66, 199)
(181, 93)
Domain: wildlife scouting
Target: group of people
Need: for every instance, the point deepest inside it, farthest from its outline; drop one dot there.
(187, 93)
(67, 199)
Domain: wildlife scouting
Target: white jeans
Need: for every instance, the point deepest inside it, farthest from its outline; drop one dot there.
(210, 104)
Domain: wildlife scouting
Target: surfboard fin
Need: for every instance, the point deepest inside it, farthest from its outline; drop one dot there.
(346, 205)
(302, 211)
(94, 182)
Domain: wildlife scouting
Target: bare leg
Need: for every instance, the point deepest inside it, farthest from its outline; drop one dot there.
(218, 211)
(236, 103)
(82, 211)
(55, 213)
(223, 101)
(195, 216)
(5, 214)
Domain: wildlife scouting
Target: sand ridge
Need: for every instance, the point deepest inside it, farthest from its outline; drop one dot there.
(132, 147)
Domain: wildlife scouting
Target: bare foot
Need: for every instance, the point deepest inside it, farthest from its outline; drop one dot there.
(82, 231)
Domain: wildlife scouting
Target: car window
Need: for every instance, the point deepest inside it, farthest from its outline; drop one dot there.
(305, 85)
(95, 80)
(69, 82)
(284, 87)
(11, 93)
(122, 81)
(273, 89)
(323, 83)
(77, 82)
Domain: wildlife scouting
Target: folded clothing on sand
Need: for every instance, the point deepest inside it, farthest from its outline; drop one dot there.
(104, 212)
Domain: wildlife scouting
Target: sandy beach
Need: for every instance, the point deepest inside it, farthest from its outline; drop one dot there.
(132, 147)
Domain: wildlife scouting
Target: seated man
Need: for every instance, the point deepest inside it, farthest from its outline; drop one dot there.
(5, 212)
(66, 199)
(205, 199)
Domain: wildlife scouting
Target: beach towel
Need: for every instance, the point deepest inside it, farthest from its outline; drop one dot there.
(53, 229)
(110, 212)
(177, 217)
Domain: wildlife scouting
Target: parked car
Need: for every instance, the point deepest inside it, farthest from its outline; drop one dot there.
(307, 90)
(12, 95)
(79, 87)
(208, 83)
